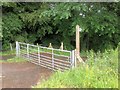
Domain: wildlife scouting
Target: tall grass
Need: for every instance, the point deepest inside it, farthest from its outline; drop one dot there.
(100, 71)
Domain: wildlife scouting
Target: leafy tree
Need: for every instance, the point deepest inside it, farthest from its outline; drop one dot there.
(55, 22)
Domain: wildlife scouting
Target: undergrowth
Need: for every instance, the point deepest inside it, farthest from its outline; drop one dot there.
(100, 71)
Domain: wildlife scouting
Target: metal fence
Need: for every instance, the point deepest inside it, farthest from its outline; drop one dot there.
(50, 58)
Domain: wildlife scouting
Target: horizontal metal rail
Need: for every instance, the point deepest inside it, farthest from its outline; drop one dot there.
(22, 43)
(33, 49)
(47, 63)
(34, 63)
(45, 56)
(44, 65)
(36, 54)
(65, 61)
(46, 47)
(62, 64)
(33, 57)
(46, 59)
(45, 52)
(61, 55)
(33, 45)
(61, 50)
(23, 47)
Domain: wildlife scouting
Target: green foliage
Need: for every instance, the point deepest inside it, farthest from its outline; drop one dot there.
(55, 22)
(1, 31)
(12, 26)
(10, 4)
(100, 71)
(94, 18)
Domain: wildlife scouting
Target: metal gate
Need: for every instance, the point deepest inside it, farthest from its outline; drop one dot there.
(50, 58)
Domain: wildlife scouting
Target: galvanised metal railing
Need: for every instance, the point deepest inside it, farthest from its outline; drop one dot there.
(54, 59)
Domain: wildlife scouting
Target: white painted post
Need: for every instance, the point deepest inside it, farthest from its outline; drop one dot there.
(61, 47)
(73, 60)
(39, 55)
(17, 48)
(52, 58)
(27, 50)
(50, 45)
(37, 44)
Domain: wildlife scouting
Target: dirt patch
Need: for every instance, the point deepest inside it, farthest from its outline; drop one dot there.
(23, 75)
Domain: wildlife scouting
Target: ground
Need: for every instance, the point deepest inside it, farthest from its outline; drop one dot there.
(23, 75)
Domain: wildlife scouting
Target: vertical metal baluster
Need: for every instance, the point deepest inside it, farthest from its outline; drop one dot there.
(28, 51)
(39, 55)
(73, 59)
(52, 58)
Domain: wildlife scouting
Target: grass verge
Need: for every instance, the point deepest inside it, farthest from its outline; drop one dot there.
(14, 60)
(7, 52)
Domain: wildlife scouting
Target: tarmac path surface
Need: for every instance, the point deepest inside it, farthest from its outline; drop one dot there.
(23, 75)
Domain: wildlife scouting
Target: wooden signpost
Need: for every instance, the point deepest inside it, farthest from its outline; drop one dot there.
(77, 40)
(78, 44)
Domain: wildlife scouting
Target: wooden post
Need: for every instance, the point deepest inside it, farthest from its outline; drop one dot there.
(77, 41)
(61, 47)
(78, 44)
(50, 45)
(37, 44)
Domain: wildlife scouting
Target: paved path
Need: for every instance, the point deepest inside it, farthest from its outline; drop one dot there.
(23, 75)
